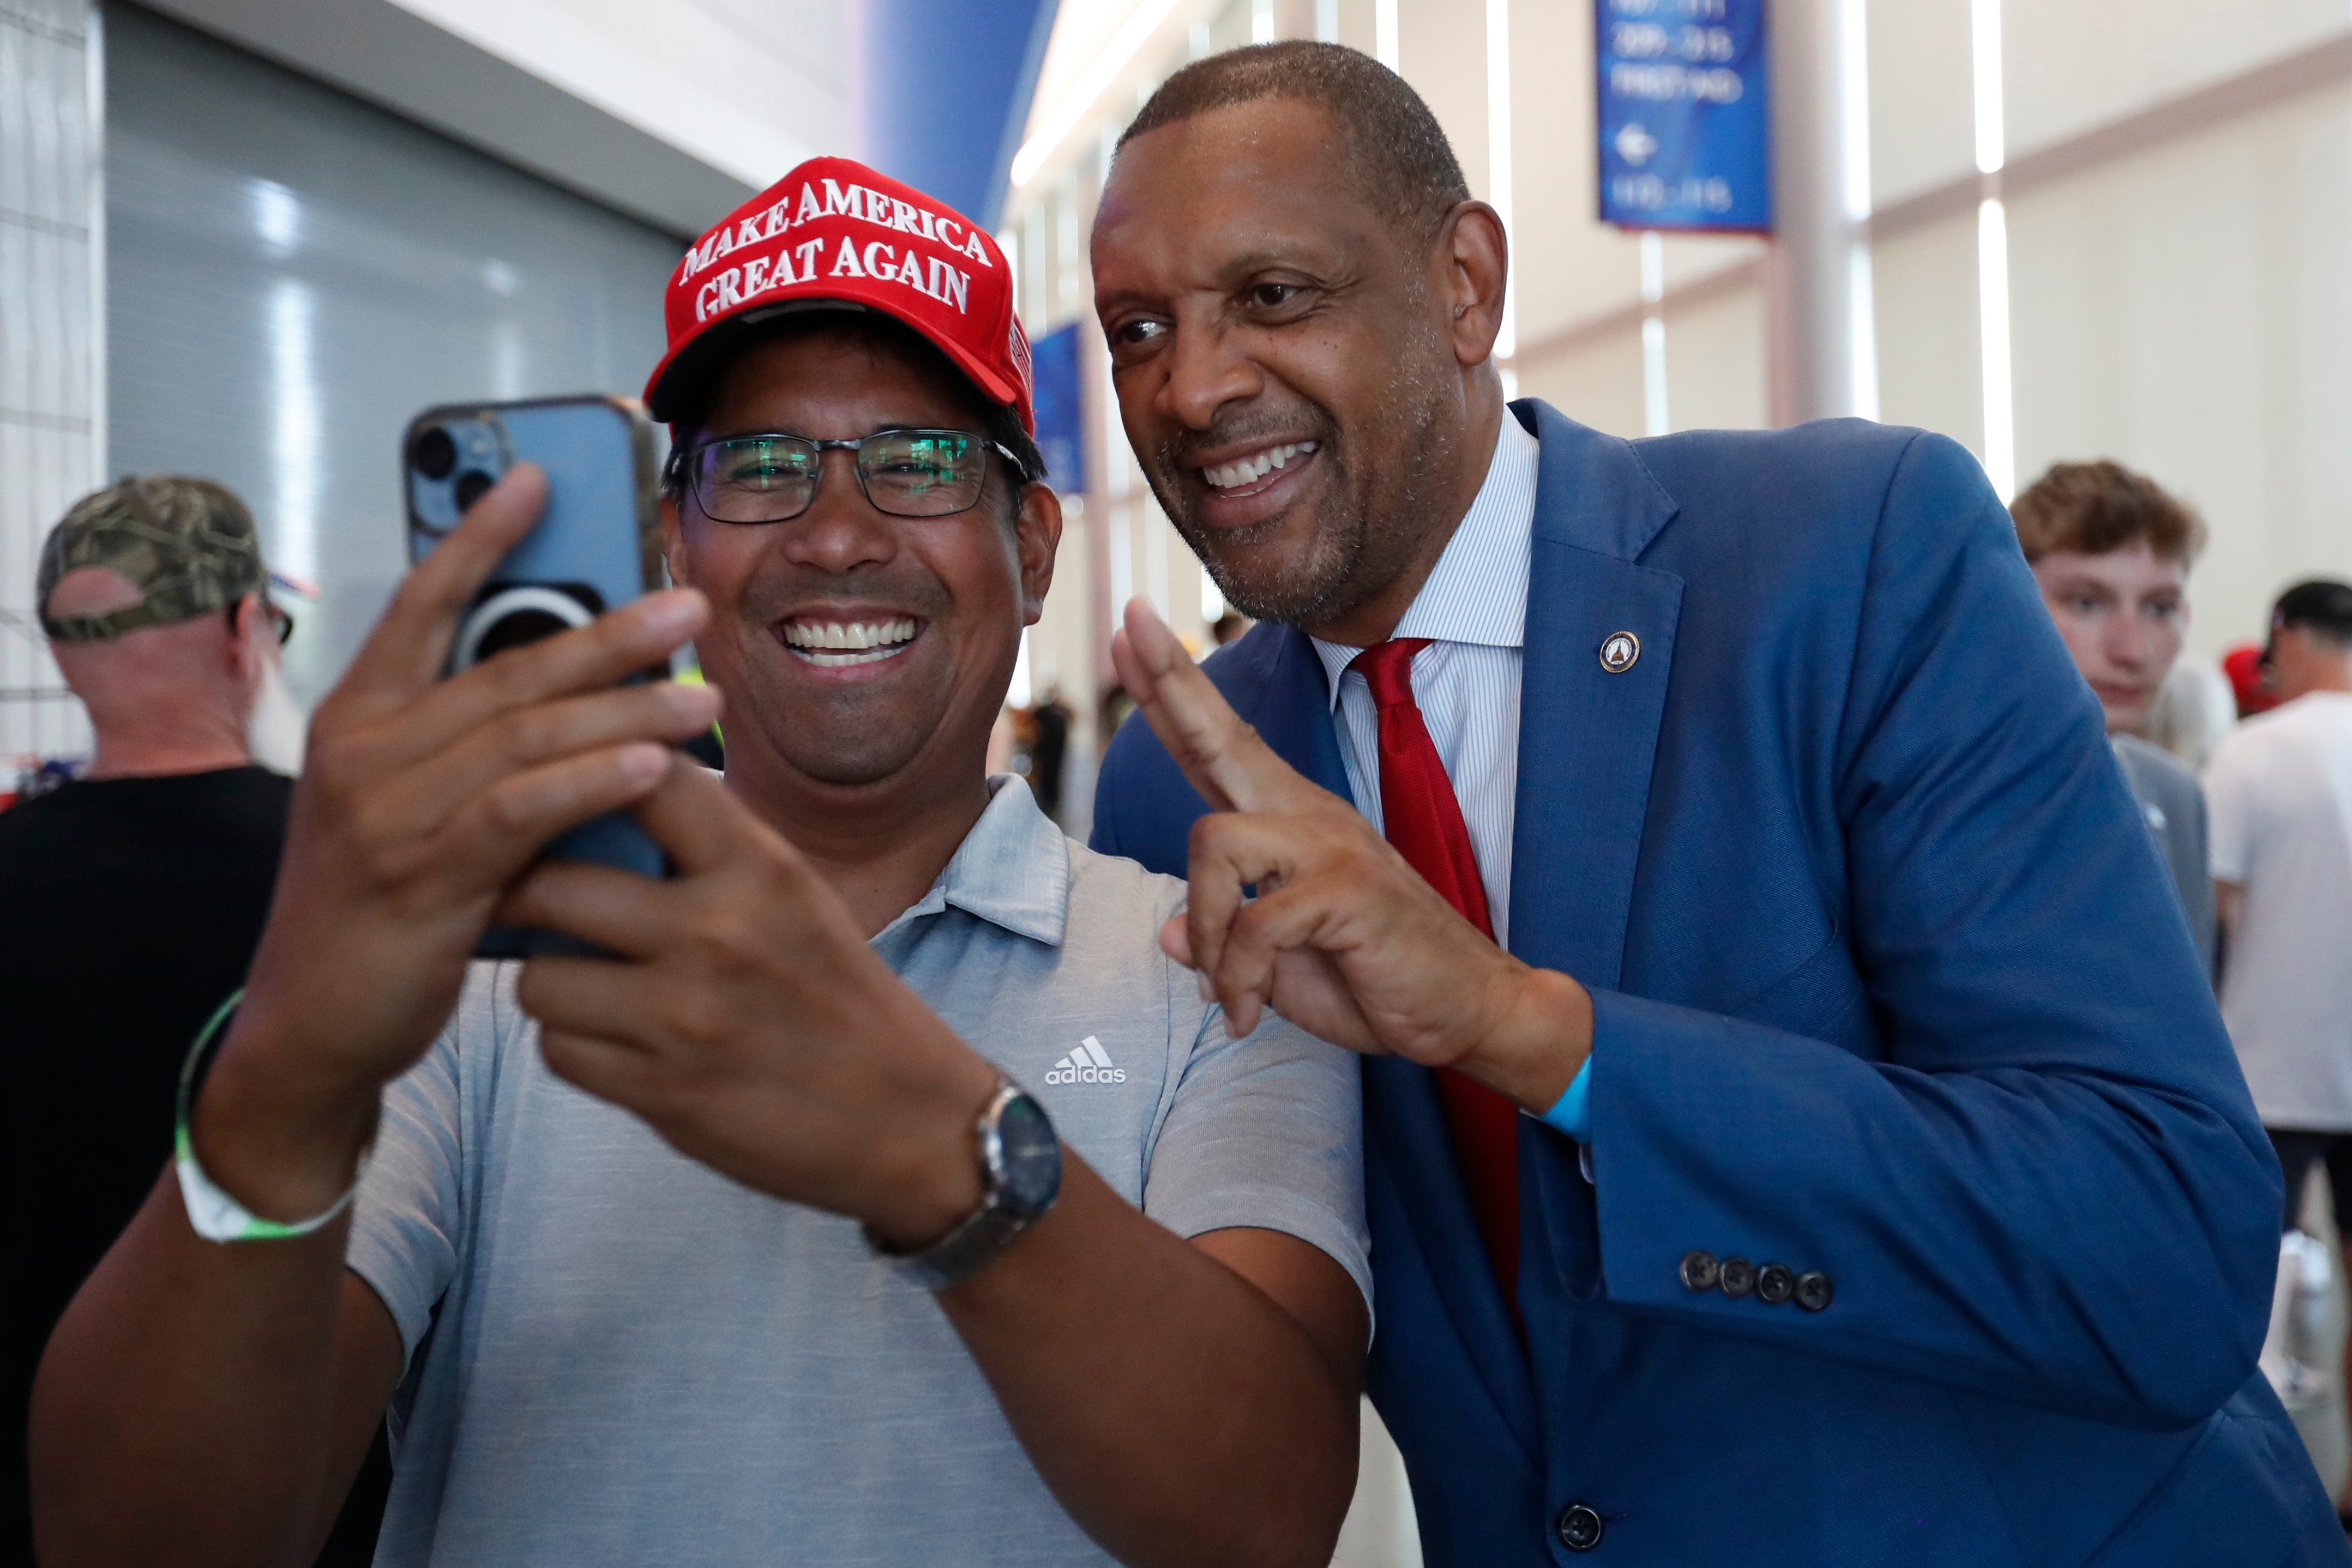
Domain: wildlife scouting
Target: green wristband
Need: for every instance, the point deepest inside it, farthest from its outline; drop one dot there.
(212, 1213)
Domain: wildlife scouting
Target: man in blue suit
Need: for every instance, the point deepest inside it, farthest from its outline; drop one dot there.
(1835, 1155)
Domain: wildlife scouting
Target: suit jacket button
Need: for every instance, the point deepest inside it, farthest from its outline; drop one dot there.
(1813, 1291)
(1698, 1271)
(1578, 1527)
(1775, 1283)
(1738, 1276)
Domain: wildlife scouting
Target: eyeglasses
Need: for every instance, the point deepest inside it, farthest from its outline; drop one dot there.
(775, 478)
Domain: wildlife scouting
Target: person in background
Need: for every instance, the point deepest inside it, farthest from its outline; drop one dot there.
(2194, 712)
(1230, 627)
(2280, 791)
(2111, 551)
(2244, 667)
(134, 896)
(1049, 750)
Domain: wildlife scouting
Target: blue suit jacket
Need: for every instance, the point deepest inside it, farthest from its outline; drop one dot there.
(1887, 983)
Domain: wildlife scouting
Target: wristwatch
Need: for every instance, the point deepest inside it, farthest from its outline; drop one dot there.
(1020, 1176)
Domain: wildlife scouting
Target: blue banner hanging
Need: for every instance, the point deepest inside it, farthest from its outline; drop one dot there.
(1686, 114)
(1061, 433)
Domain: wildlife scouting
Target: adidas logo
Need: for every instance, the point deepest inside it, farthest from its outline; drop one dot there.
(1088, 1064)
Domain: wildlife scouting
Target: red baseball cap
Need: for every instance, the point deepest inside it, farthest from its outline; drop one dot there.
(2243, 665)
(834, 232)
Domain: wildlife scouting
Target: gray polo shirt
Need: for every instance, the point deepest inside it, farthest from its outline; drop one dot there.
(618, 1355)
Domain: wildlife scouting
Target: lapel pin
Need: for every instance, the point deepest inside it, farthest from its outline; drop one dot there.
(1619, 652)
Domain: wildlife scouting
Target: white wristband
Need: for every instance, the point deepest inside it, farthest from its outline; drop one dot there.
(212, 1213)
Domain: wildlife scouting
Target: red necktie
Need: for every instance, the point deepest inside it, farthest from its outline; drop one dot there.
(1424, 821)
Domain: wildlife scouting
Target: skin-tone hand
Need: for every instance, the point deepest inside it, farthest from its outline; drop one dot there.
(1344, 938)
(747, 1021)
(239, 1385)
(421, 800)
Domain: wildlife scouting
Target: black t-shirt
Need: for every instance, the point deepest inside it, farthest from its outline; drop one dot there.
(129, 910)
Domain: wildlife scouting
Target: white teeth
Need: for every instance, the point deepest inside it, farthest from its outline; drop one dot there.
(837, 643)
(831, 660)
(1246, 470)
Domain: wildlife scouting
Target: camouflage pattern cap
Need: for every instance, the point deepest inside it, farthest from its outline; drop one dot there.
(188, 545)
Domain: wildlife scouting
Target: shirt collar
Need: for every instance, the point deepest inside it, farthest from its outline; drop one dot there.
(1477, 591)
(1012, 870)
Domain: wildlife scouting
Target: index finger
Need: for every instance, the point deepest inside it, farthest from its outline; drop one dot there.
(404, 654)
(1222, 756)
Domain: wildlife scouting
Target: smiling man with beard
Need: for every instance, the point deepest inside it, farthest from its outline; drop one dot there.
(1797, 1127)
(885, 1196)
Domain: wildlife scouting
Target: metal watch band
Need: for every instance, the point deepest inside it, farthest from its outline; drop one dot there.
(986, 1233)
(961, 1252)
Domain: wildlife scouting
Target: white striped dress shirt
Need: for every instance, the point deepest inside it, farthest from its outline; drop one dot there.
(1473, 609)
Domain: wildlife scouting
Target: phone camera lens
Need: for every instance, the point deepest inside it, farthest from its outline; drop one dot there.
(434, 453)
(471, 483)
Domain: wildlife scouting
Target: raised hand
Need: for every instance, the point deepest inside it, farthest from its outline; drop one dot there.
(1344, 938)
(420, 800)
(745, 1017)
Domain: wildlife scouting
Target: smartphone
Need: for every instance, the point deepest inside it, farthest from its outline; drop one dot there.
(597, 545)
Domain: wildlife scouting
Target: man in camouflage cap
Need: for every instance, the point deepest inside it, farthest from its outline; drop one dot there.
(135, 894)
(188, 546)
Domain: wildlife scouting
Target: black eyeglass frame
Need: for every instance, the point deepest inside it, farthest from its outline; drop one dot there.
(282, 620)
(677, 480)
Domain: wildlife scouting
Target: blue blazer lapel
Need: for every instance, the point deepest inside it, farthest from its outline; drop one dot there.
(1292, 712)
(1588, 733)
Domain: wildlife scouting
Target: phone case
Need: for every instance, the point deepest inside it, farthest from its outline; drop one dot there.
(597, 545)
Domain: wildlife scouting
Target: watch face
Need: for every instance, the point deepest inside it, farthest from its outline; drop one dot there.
(1032, 1156)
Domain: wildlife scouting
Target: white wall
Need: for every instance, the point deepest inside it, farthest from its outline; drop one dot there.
(52, 347)
(2071, 64)
(672, 112)
(750, 87)
(1930, 366)
(1921, 129)
(2186, 312)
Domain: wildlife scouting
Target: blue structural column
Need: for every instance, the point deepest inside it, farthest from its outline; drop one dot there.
(942, 92)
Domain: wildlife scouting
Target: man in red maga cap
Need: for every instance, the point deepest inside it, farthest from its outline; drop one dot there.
(888, 1196)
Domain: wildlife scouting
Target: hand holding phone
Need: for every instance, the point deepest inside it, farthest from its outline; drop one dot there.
(597, 547)
(423, 800)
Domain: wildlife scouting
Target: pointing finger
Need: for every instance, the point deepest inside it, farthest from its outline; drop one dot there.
(1221, 756)
(1142, 684)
